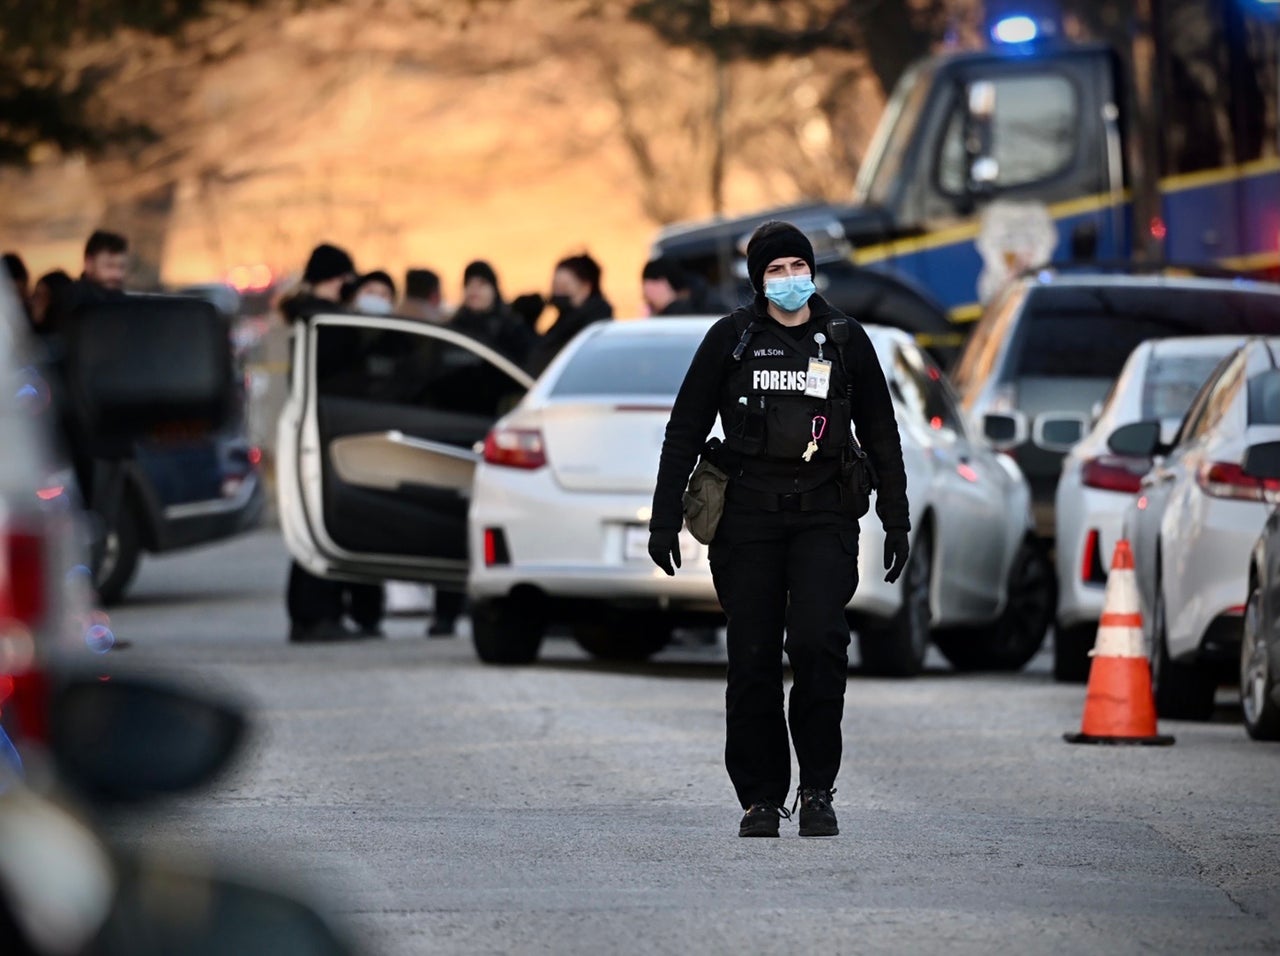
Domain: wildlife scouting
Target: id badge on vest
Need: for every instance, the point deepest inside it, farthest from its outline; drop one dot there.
(818, 382)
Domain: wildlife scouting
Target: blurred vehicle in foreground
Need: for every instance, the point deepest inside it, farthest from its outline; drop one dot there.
(1051, 346)
(91, 737)
(1260, 650)
(113, 743)
(1158, 382)
(558, 523)
(1194, 524)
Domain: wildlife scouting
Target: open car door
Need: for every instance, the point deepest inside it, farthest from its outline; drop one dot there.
(377, 445)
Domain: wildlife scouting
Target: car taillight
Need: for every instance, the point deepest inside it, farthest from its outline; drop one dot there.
(515, 448)
(23, 607)
(1225, 479)
(1114, 473)
(1091, 570)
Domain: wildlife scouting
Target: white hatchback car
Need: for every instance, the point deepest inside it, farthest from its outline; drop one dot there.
(1194, 523)
(1159, 380)
(559, 518)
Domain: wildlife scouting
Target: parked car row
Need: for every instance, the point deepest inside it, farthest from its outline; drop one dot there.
(390, 451)
(411, 452)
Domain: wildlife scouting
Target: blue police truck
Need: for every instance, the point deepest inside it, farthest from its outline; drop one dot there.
(1164, 147)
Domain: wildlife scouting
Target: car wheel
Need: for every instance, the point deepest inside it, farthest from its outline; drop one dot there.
(507, 631)
(614, 636)
(1017, 635)
(1259, 668)
(119, 553)
(1071, 647)
(897, 647)
(1182, 691)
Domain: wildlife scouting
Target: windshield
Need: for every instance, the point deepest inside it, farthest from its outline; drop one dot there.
(897, 126)
(1088, 332)
(611, 365)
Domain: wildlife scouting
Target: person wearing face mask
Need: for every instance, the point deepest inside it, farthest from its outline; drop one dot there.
(787, 376)
(485, 317)
(374, 293)
(575, 293)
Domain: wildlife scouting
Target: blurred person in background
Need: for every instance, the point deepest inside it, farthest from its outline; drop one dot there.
(486, 318)
(669, 290)
(106, 263)
(316, 605)
(528, 308)
(577, 296)
(47, 296)
(374, 293)
(20, 278)
(422, 297)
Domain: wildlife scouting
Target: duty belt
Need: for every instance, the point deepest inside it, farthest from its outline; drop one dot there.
(825, 498)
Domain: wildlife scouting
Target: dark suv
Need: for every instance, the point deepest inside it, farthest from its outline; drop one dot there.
(1046, 352)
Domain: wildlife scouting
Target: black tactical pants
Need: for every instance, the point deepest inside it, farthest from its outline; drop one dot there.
(792, 570)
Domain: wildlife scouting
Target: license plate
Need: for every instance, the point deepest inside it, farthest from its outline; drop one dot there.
(635, 545)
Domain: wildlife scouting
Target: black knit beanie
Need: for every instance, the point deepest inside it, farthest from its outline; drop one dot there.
(327, 262)
(776, 240)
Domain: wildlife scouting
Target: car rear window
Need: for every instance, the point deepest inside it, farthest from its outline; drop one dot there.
(628, 365)
(1173, 380)
(1088, 332)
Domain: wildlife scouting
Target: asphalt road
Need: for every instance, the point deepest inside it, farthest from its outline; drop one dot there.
(437, 806)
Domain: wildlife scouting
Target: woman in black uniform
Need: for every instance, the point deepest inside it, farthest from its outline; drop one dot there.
(786, 375)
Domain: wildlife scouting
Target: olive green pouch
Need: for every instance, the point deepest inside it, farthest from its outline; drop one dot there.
(704, 499)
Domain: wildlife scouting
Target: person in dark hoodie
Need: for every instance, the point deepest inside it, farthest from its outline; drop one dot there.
(486, 317)
(316, 605)
(575, 292)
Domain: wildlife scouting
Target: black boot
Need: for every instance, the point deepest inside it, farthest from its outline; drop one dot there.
(761, 820)
(817, 817)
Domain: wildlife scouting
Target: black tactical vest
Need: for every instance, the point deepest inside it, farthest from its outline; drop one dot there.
(763, 406)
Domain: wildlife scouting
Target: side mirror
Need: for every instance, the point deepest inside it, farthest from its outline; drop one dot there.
(1004, 430)
(125, 739)
(1059, 431)
(142, 364)
(1263, 461)
(1137, 440)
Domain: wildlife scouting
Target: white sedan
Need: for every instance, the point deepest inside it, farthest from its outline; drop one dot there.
(1158, 382)
(1194, 524)
(558, 522)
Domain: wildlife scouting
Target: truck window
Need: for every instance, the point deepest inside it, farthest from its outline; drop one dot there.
(1033, 133)
(897, 128)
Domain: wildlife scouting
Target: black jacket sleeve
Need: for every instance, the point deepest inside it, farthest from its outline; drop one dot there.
(692, 417)
(878, 429)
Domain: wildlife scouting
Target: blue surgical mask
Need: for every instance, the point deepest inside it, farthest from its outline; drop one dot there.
(372, 305)
(789, 293)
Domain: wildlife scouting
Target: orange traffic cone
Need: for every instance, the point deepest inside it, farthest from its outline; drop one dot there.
(1120, 707)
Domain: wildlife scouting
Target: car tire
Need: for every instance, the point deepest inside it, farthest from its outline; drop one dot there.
(1071, 647)
(618, 637)
(118, 557)
(897, 647)
(506, 631)
(1259, 673)
(1018, 634)
(1182, 691)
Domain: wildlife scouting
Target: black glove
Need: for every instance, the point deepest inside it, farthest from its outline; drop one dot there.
(664, 548)
(896, 549)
